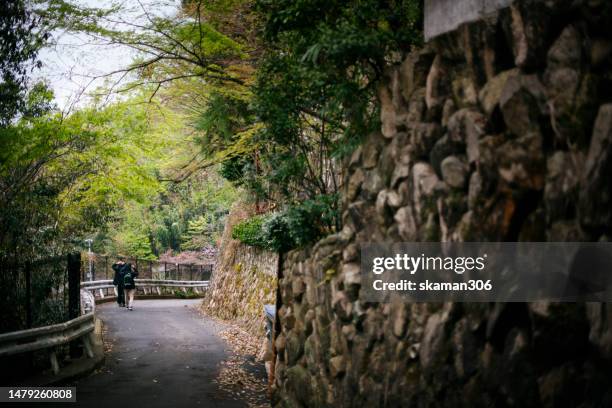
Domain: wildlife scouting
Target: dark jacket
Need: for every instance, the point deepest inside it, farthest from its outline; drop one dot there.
(119, 273)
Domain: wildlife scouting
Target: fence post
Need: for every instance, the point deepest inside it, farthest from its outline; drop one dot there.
(74, 295)
(178, 272)
(28, 288)
(28, 284)
(165, 269)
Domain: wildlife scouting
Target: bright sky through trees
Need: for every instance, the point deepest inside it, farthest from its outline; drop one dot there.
(71, 65)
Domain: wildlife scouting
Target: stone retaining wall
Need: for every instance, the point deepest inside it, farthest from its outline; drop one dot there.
(243, 281)
(498, 131)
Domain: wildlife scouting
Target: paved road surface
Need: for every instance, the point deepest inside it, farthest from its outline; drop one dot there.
(163, 355)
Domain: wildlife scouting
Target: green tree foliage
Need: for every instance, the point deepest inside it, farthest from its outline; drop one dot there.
(315, 96)
(98, 172)
(63, 176)
(317, 80)
(101, 170)
(195, 236)
(185, 216)
(202, 58)
(283, 135)
(233, 169)
(277, 91)
(22, 34)
(60, 177)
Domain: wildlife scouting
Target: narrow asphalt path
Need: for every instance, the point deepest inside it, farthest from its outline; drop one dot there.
(164, 354)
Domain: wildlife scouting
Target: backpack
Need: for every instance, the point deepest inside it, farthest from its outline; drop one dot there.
(128, 279)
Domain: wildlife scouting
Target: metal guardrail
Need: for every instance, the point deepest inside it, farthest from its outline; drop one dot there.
(99, 287)
(50, 336)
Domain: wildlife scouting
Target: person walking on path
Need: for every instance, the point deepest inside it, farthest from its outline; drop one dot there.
(119, 267)
(129, 284)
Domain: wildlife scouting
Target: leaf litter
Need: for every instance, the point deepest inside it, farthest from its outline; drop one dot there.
(242, 375)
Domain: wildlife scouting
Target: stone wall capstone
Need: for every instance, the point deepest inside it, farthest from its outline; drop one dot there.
(498, 131)
(442, 16)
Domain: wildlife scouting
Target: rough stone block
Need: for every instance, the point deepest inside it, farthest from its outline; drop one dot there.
(595, 206)
(454, 171)
(522, 103)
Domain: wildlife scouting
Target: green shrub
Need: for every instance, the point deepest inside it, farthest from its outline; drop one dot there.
(276, 233)
(312, 219)
(249, 231)
(295, 227)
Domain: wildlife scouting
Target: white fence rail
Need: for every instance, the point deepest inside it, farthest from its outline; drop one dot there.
(100, 288)
(50, 337)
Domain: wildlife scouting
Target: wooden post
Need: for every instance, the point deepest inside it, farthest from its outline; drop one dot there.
(28, 284)
(74, 295)
(27, 270)
(165, 269)
(74, 285)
